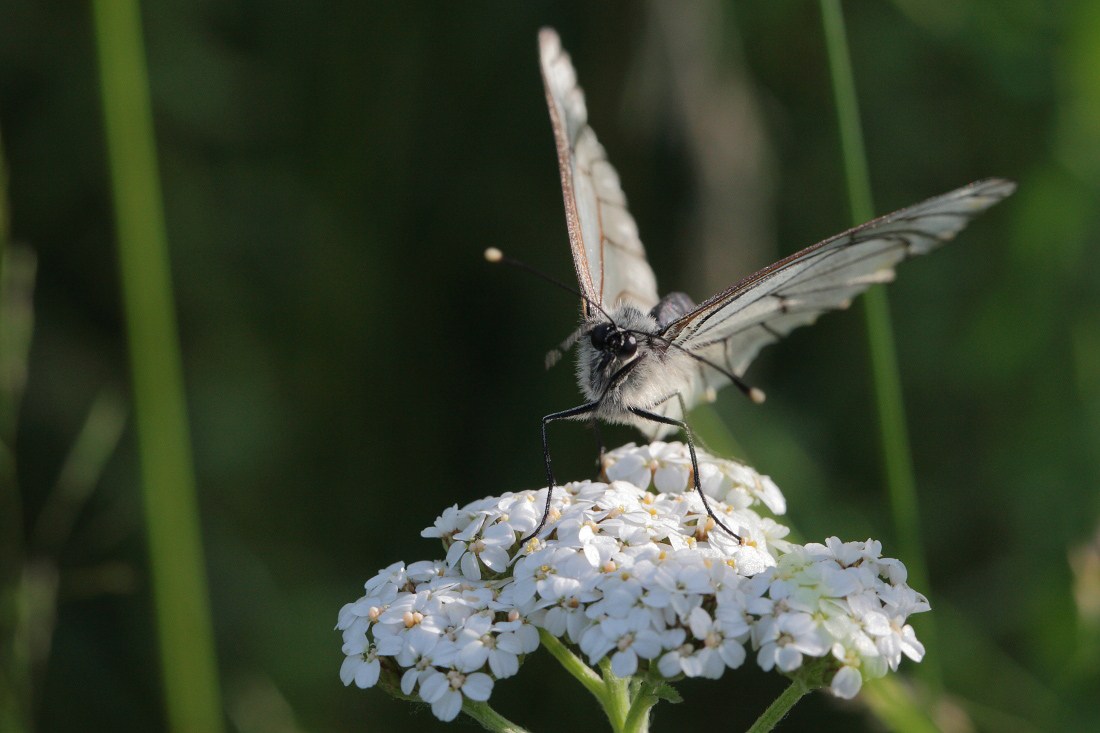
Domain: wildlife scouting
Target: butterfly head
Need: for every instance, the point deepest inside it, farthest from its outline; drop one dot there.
(618, 341)
(613, 342)
(624, 357)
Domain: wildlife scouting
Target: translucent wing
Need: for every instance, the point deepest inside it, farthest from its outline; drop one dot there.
(609, 257)
(729, 329)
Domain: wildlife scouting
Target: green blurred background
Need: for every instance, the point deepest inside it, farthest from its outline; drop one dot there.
(333, 171)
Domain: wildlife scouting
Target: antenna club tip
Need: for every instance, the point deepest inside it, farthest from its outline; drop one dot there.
(493, 254)
(757, 395)
(711, 394)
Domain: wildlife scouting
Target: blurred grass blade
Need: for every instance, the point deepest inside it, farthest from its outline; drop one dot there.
(15, 712)
(982, 677)
(896, 707)
(171, 512)
(884, 365)
(17, 277)
(17, 272)
(22, 595)
(80, 472)
(7, 409)
(847, 111)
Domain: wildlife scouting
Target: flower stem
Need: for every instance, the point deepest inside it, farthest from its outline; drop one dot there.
(574, 665)
(626, 713)
(490, 719)
(617, 701)
(780, 707)
(897, 454)
(637, 718)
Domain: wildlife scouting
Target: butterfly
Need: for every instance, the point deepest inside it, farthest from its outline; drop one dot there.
(643, 360)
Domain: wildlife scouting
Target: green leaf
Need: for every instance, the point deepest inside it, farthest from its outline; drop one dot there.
(668, 692)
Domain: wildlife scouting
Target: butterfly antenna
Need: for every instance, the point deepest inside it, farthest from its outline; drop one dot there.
(753, 393)
(495, 255)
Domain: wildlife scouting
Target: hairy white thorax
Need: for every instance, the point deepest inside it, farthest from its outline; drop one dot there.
(657, 371)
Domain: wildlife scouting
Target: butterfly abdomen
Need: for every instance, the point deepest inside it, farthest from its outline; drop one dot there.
(672, 307)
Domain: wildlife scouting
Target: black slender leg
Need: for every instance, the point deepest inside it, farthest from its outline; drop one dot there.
(694, 463)
(575, 412)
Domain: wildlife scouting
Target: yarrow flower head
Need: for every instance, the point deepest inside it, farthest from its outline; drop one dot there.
(631, 574)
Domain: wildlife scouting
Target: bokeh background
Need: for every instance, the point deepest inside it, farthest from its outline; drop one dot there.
(333, 171)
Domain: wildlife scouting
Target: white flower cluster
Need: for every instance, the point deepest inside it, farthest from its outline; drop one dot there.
(439, 629)
(645, 579)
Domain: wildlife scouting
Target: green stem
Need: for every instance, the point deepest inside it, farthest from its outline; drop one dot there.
(897, 454)
(637, 717)
(617, 701)
(490, 719)
(779, 707)
(575, 666)
(627, 713)
(184, 628)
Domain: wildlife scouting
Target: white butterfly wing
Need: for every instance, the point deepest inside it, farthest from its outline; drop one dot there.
(729, 329)
(608, 255)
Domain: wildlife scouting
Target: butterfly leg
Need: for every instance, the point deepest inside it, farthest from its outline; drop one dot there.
(694, 462)
(575, 412)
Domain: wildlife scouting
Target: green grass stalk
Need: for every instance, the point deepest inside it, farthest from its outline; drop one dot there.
(897, 456)
(184, 629)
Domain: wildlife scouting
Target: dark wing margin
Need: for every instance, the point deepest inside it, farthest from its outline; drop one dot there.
(567, 113)
(731, 327)
(607, 252)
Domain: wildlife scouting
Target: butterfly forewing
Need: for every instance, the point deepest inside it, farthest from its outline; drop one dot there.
(607, 252)
(730, 328)
(826, 275)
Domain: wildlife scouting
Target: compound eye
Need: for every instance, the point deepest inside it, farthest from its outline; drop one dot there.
(628, 348)
(599, 335)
